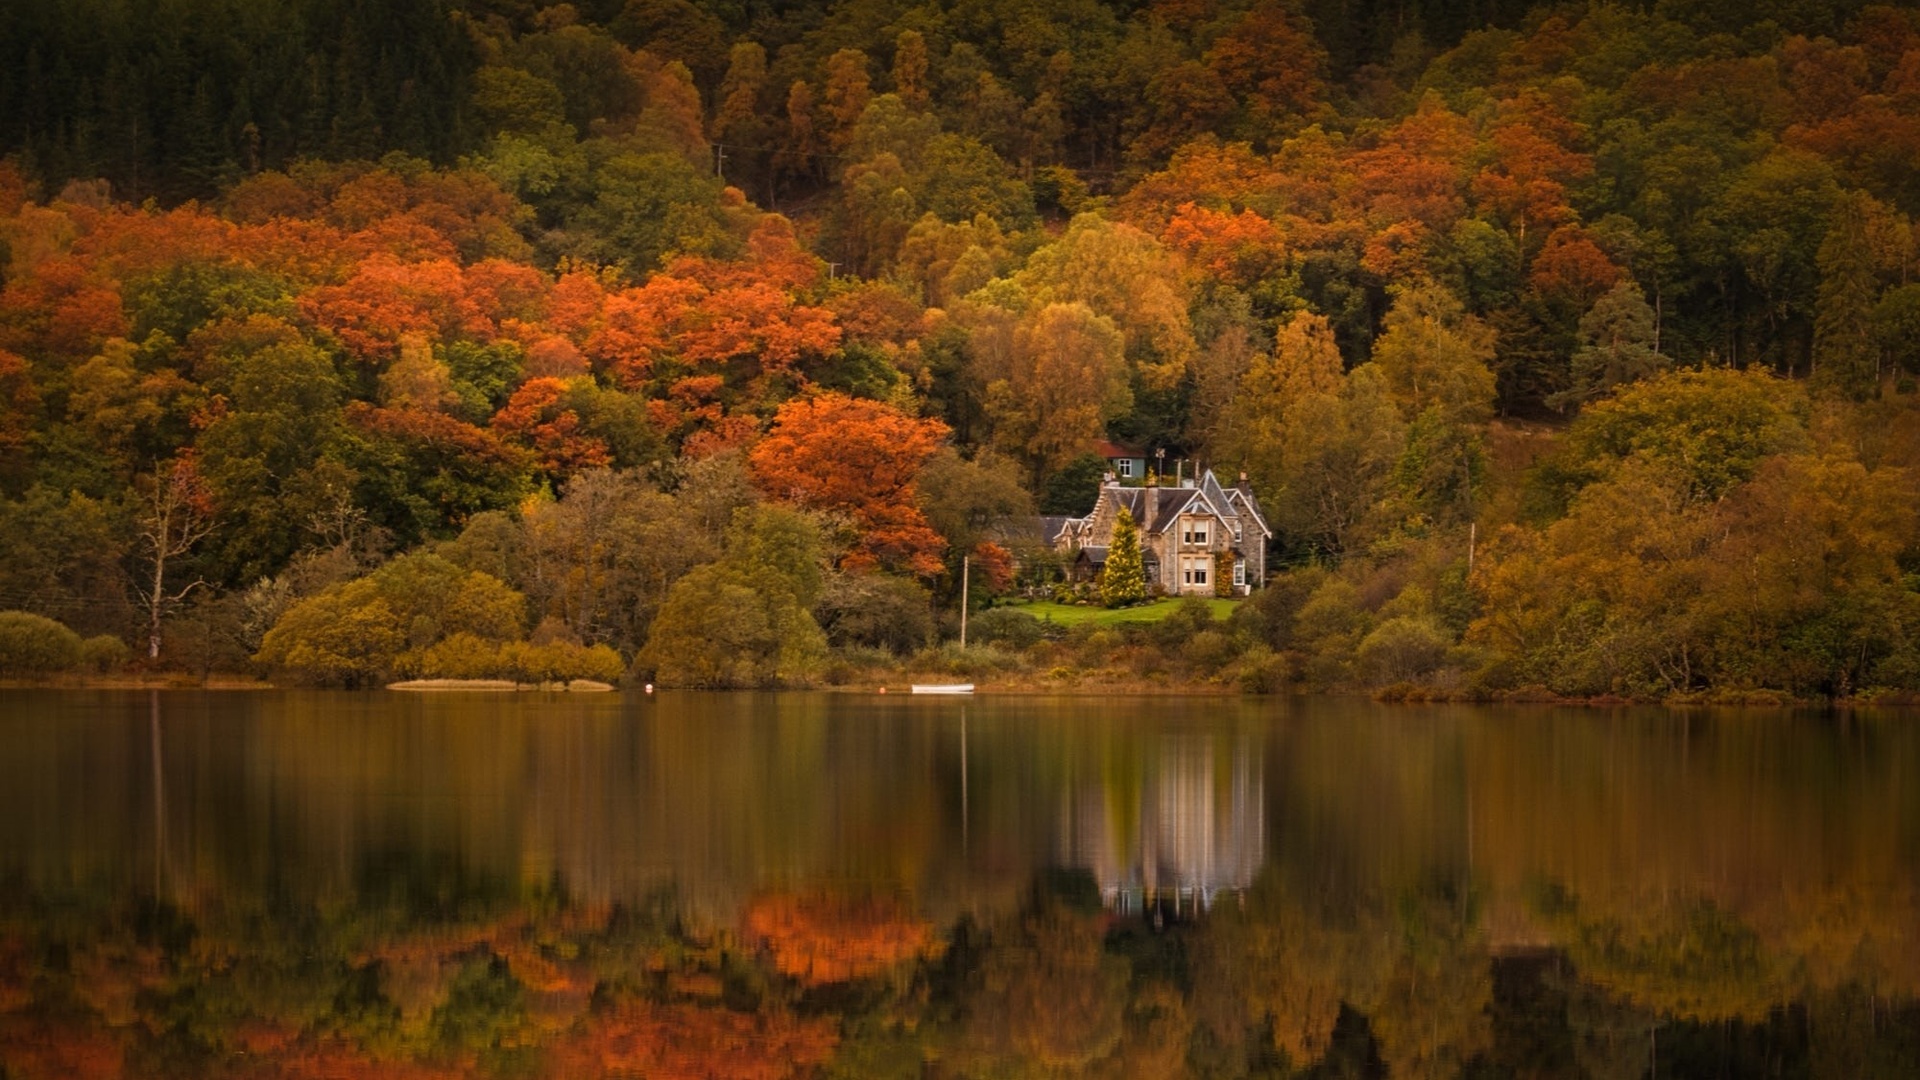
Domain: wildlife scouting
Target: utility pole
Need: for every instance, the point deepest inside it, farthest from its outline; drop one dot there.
(966, 565)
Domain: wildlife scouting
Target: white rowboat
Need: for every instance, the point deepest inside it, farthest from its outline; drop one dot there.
(943, 688)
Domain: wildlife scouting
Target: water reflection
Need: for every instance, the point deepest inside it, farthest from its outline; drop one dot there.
(1177, 838)
(732, 885)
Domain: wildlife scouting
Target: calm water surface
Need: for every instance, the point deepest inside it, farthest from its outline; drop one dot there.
(345, 885)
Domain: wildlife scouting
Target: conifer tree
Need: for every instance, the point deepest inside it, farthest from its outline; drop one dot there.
(1125, 579)
(1845, 358)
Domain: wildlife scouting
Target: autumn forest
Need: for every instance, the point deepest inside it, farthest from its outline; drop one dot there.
(1570, 349)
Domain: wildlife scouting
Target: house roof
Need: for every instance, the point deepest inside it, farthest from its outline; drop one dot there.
(1093, 553)
(1241, 495)
(1053, 526)
(1112, 450)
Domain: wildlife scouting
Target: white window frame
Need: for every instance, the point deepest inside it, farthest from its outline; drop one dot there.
(1123, 468)
(1239, 574)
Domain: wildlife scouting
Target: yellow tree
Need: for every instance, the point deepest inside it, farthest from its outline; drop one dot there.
(1066, 378)
(1121, 273)
(1435, 355)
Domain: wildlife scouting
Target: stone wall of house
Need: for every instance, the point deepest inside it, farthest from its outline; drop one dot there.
(1162, 550)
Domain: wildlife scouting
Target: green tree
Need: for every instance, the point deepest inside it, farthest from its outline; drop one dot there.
(361, 632)
(1617, 346)
(36, 645)
(1704, 430)
(1075, 488)
(1124, 581)
(745, 620)
(1896, 323)
(1846, 362)
(282, 417)
(647, 206)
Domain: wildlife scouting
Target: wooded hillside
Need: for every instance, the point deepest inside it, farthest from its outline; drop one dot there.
(1569, 347)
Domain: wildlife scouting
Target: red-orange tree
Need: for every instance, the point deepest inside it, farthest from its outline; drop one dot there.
(860, 458)
(822, 938)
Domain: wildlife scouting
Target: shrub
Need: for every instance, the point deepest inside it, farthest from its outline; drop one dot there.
(1262, 671)
(1210, 650)
(459, 656)
(1270, 612)
(35, 645)
(875, 611)
(1005, 626)
(1097, 646)
(953, 660)
(718, 630)
(1402, 649)
(104, 654)
(559, 661)
(1189, 617)
(359, 632)
(856, 664)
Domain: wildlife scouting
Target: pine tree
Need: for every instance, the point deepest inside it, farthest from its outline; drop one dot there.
(1845, 358)
(1125, 579)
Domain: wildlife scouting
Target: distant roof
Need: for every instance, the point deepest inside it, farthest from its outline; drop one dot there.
(1093, 553)
(1052, 526)
(1114, 450)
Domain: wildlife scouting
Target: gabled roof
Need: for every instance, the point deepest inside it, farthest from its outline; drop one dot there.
(1166, 505)
(1174, 502)
(1053, 526)
(1095, 554)
(1244, 503)
(1210, 487)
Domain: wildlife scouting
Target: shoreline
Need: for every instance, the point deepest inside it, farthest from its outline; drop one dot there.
(1033, 686)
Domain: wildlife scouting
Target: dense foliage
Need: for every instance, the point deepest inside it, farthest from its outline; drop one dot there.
(293, 289)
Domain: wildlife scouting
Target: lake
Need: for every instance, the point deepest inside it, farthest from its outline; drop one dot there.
(737, 885)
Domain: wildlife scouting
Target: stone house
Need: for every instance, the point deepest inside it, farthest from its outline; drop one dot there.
(1191, 535)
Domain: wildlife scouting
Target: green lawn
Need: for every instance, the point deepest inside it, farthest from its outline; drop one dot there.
(1074, 614)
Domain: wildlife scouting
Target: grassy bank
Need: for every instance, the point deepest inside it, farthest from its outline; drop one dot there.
(1071, 615)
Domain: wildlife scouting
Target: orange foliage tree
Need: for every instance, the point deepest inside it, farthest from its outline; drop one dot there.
(859, 458)
(540, 414)
(686, 1042)
(821, 939)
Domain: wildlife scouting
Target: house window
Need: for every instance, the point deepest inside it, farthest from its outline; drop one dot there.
(1124, 467)
(1194, 571)
(1195, 533)
(1239, 573)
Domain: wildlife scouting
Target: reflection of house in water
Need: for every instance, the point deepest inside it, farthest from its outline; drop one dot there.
(1187, 831)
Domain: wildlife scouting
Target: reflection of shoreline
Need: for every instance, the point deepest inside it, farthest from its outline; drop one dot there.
(1184, 834)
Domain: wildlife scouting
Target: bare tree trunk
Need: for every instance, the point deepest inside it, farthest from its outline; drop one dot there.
(178, 517)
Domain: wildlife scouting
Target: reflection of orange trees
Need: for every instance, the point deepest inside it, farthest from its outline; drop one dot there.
(39, 1048)
(823, 939)
(335, 1062)
(686, 1042)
